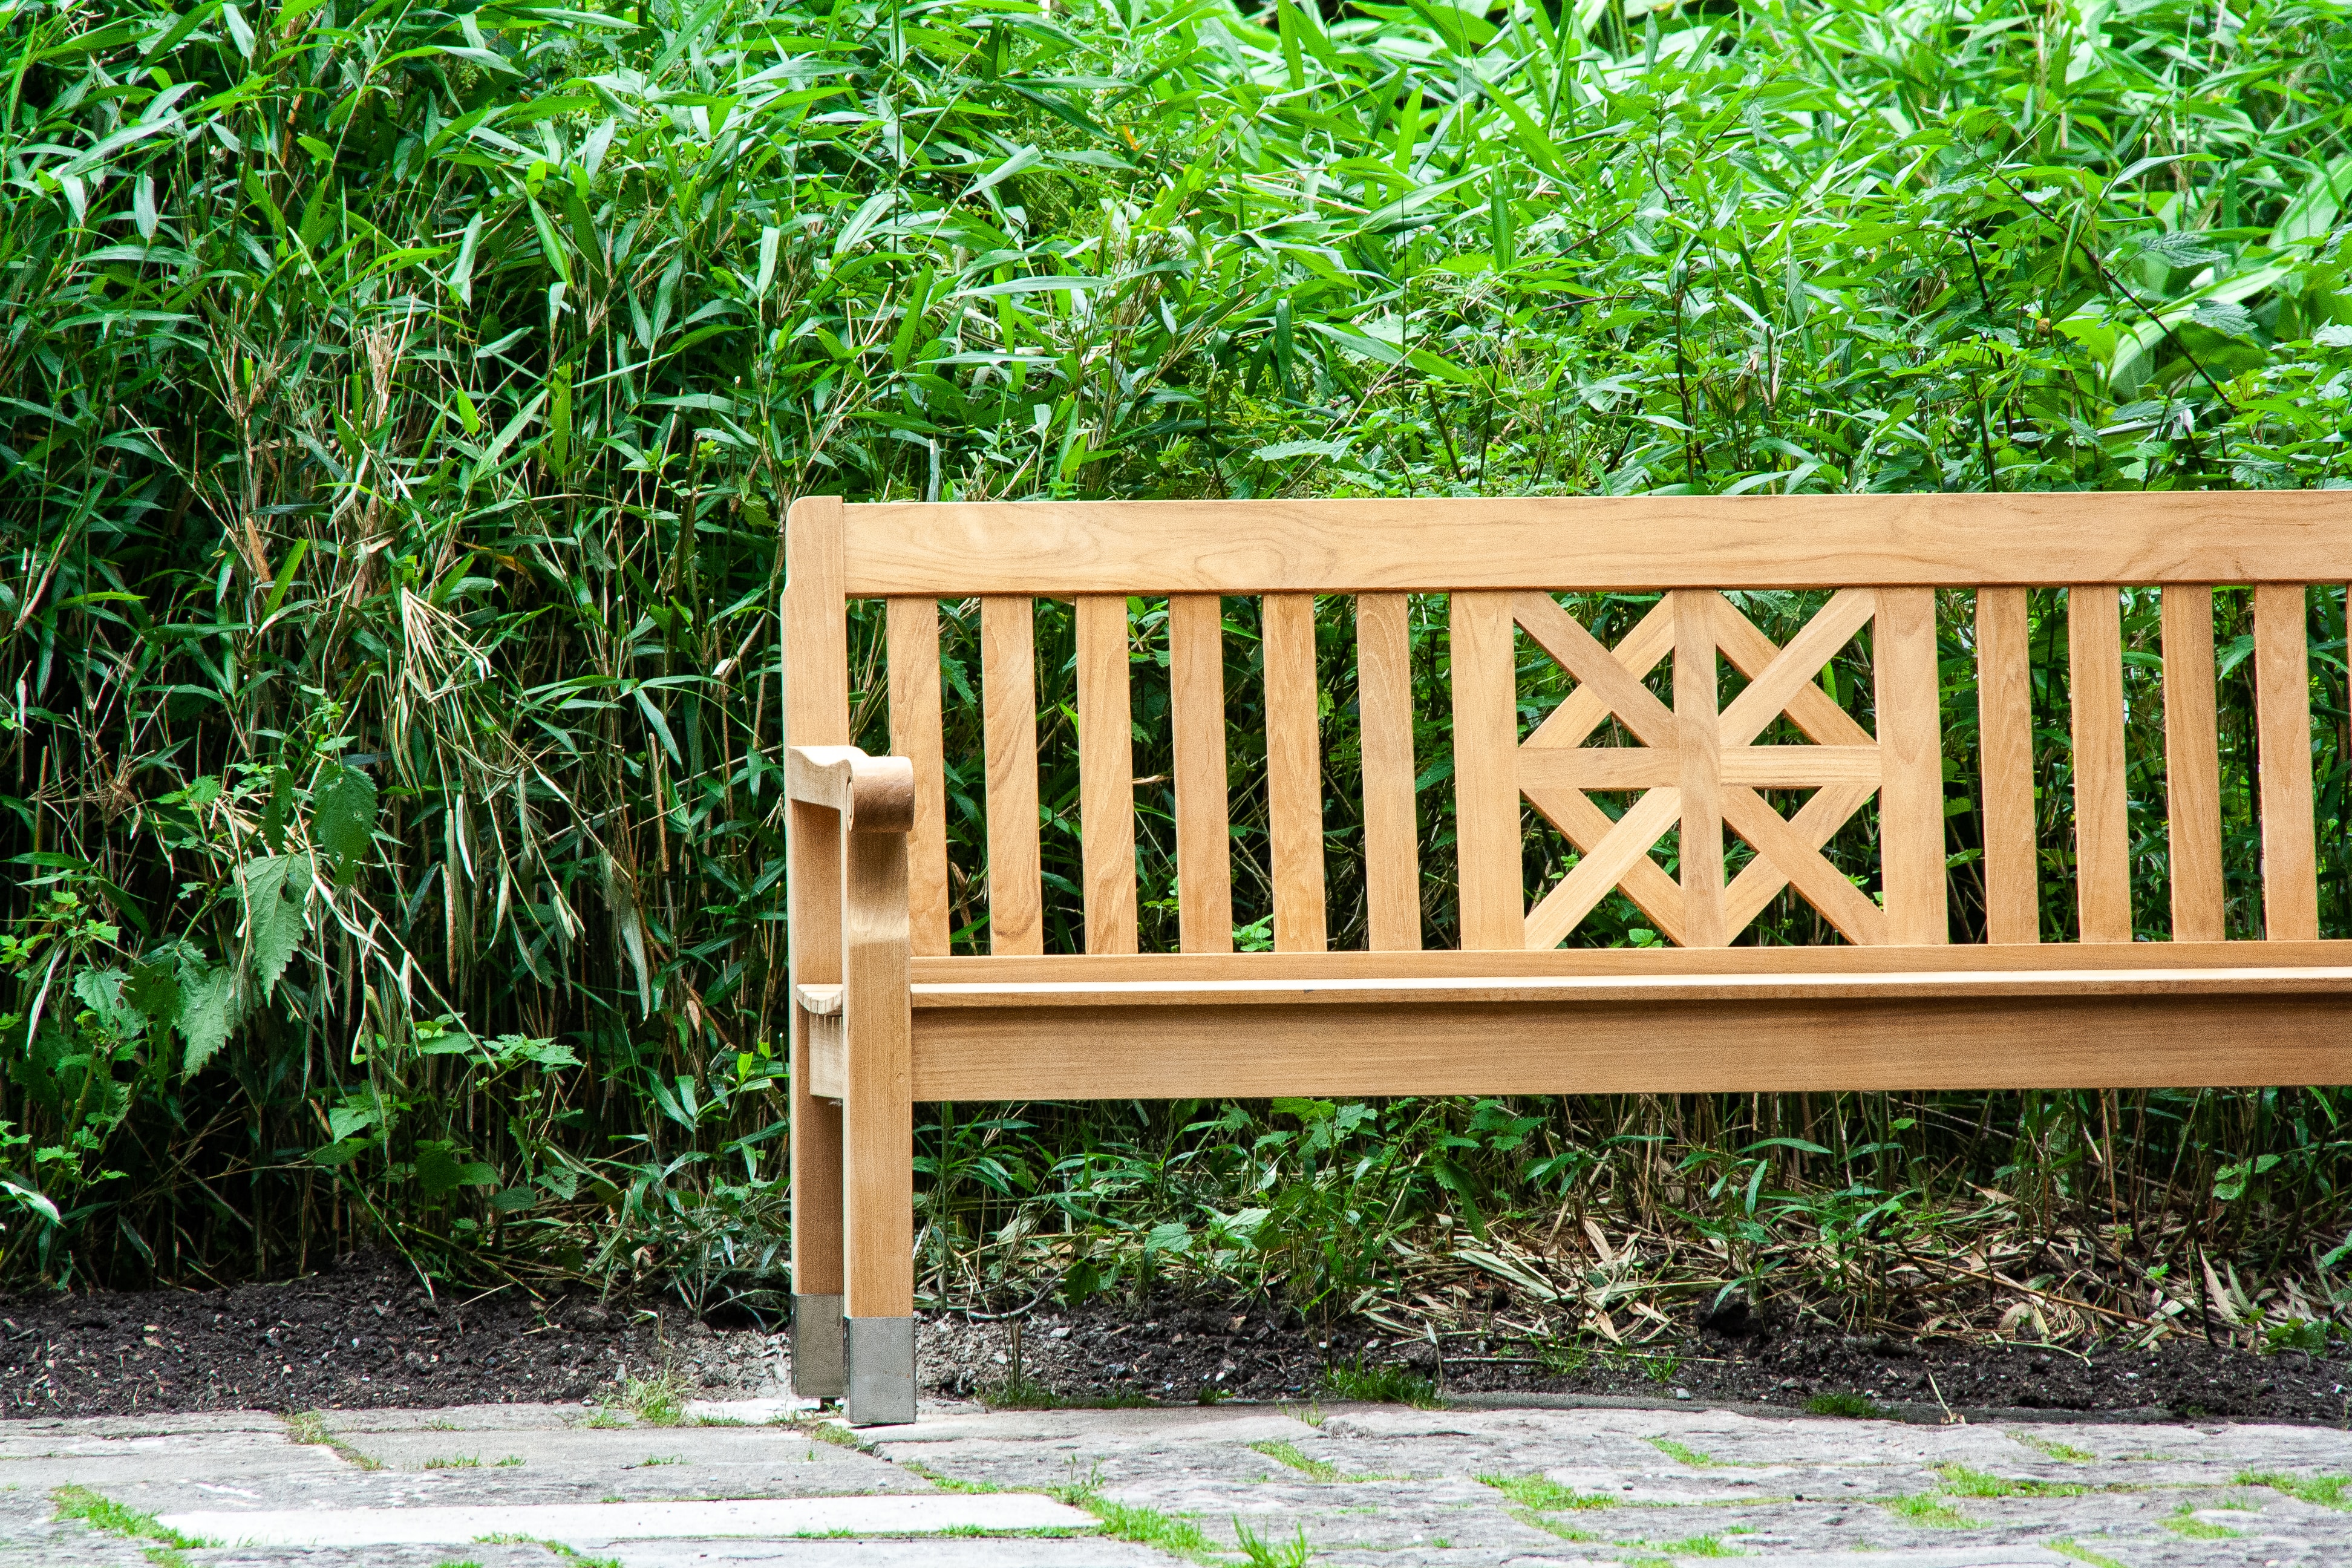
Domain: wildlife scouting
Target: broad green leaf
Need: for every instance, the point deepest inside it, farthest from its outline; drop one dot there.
(275, 890)
(342, 819)
(208, 1013)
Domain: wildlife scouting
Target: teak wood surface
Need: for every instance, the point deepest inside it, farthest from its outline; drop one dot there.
(1650, 775)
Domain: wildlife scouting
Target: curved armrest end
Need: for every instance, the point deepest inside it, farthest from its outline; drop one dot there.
(874, 795)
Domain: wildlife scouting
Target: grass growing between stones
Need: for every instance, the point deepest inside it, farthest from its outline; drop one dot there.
(2055, 1450)
(2327, 1492)
(1850, 1406)
(576, 1558)
(455, 1462)
(103, 1513)
(309, 1427)
(1289, 1454)
(1927, 1509)
(2183, 1521)
(2082, 1553)
(1962, 1482)
(1144, 1526)
(657, 1401)
(946, 1483)
(1260, 1552)
(1545, 1495)
(1683, 1452)
(1690, 1546)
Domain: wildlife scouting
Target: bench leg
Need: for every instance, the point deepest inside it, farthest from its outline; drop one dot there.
(817, 1371)
(878, 1125)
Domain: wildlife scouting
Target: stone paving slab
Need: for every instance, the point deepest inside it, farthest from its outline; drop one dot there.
(575, 1522)
(1366, 1486)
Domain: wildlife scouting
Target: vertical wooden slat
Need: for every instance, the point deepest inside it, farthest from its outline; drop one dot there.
(817, 713)
(2192, 765)
(1485, 772)
(1016, 920)
(914, 631)
(1391, 835)
(1698, 739)
(1294, 772)
(877, 1103)
(2282, 730)
(1911, 762)
(1106, 773)
(2005, 727)
(2095, 650)
(1196, 705)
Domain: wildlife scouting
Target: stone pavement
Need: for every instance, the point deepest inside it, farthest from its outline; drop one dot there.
(766, 1483)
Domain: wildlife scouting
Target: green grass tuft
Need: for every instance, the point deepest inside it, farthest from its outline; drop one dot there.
(2068, 1547)
(2327, 1492)
(1928, 1510)
(2055, 1449)
(1289, 1454)
(103, 1513)
(1544, 1495)
(1962, 1482)
(1386, 1384)
(2183, 1521)
(1681, 1453)
(1851, 1407)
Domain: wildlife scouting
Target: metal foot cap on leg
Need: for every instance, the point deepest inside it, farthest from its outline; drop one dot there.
(817, 1348)
(881, 1368)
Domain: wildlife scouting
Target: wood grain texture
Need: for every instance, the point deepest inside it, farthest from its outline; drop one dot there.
(1911, 753)
(2192, 764)
(1589, 827)
(1824, 885)
(1609, 862)
(815, 625)
(1485, 778)
(1445, 964)
(877, 1130)
(1596, 542)
(816, 644)
(1008, 694)
(1391, 829)
(1809, 706)
(913, 629)
(812, 900)
(1583, 710)
(1642, 767)
(1696, 724)
(1294, 771)
(1816, 823)
(1579, 652)
(2095, 640)
(1771, 690)
(1196, 717)
(1106, 775)
(2283, 752)
(1637, 1048)
(2012, 860)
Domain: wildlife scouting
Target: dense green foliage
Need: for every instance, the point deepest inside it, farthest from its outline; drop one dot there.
(400, 405)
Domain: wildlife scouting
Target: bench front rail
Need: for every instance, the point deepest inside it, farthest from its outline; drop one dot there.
(884, 1015)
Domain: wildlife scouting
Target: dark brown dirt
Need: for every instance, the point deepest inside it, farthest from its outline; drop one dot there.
(365, 1335)
(1172, 1352)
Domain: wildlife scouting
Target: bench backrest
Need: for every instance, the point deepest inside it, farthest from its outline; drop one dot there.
(1694, 762)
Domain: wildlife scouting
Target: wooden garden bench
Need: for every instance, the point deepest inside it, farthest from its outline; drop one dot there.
(883, 1015)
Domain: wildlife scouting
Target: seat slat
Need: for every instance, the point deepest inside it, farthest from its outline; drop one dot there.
(1106, 773)
(1392, 835)
(1911, 753)
(2282, 759)
(1196, 701)
(1294, 769)
(913, 627)
(1697, 727)
(1485, 772)
(1016, 917)
(2192, 764)
(2005, 730)
(2094, 638)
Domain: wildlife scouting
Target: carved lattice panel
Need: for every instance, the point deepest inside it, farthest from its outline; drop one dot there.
(1699, 767)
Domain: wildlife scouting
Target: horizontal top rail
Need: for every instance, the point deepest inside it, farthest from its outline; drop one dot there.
(1578, 543)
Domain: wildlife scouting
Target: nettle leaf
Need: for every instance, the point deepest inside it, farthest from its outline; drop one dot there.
(342, 819)
(276, 888)
(439, 1168)
(2222, 316)
(207, 1012)
(152, 990)
(2179, 249)
(280, 807)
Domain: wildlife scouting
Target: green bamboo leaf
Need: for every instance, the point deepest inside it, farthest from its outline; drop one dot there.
(342, 821)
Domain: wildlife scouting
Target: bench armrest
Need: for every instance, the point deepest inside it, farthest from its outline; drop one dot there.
(874, 795)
